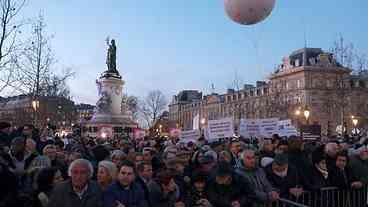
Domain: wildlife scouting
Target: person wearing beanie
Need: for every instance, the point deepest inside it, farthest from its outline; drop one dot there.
(106, 174)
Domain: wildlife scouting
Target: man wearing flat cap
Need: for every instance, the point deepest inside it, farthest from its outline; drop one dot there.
(284, 176)
(227, 189)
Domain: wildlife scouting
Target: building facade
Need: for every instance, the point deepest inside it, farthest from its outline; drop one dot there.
(23, 109)
(308, 78)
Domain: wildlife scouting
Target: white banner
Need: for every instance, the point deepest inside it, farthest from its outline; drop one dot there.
(286, 128)
(249, 128)
(258, 127)
(269, 127)
(220, 128)
(191, 135)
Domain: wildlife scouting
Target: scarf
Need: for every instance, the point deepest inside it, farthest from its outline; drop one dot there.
(322, 171)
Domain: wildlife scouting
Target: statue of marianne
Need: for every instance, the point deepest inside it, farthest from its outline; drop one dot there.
(111, 57)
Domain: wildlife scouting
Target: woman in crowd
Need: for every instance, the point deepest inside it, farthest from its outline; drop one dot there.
(106, 174)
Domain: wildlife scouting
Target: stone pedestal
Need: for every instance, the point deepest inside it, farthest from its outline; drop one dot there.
(109, 120)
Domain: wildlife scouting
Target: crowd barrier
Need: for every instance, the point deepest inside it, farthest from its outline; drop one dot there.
(326, 197)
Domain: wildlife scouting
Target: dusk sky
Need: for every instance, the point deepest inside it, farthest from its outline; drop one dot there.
(172, 45)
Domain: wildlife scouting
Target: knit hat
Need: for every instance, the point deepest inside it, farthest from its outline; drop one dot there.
(198, 176)
(281, 159)
(110, 166)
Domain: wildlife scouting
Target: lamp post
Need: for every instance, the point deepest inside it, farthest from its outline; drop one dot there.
(35, 106)
(306, 115)
(201, 125)
(355, 123)
(297, 114)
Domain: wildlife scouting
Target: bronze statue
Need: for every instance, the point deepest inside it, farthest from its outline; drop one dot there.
(111, 57)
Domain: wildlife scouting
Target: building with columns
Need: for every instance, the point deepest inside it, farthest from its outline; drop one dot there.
(308, 78)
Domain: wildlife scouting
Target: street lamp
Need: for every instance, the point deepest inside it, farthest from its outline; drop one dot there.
(355, 123)
(201, 125)
(35, 106)
(307, 114)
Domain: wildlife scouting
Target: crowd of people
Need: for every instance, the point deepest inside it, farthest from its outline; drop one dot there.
(40, 169)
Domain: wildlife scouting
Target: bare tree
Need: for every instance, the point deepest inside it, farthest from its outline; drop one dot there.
(35, 66)
(9, 39)
(347, 56)
(361, 62)
(236, 83)
(56, 85)
(343, 52)
(153, 106)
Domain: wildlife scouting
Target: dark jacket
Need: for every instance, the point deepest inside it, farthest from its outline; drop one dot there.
(304, 166)
(317, 180)
(129, 197)
(257, 178)
(8, 189)
(360, 168)
(158, 199)
(341, 178)
(193, 196)
(145, 189)
(64, 196)
(283, 184)
(224, 195)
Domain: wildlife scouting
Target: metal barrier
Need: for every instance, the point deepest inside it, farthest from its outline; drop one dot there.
(326, 197)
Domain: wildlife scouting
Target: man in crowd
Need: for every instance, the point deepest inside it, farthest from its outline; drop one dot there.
(144, 178)
(125, 192)
(227, 190)
(79, 191)
(284, 177)
(359, 164)
(251, 173)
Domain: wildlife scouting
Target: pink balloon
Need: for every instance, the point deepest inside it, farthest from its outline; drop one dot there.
(248, 12)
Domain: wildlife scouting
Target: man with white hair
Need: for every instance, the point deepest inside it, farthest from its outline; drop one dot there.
(79, 191)
(359, 164)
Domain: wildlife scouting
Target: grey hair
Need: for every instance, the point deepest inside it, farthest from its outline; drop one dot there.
(330, 147)
(118, 153)
(84, 162)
